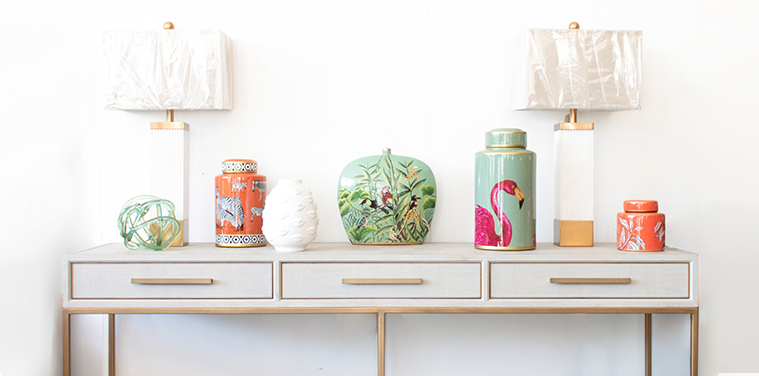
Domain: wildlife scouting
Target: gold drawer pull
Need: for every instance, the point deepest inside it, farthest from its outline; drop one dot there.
(382, 281)
(172, 281)
(592, 281)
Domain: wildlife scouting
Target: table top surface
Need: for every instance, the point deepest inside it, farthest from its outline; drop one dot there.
(601, 252)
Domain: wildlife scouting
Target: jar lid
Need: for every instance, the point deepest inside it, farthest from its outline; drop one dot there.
(506, 138)
(232, 166)
(641, 206)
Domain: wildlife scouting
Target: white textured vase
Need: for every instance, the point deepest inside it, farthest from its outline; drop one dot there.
(289, 218)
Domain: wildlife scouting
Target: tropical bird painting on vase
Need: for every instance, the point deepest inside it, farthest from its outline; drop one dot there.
(485, 232)
(387, 199)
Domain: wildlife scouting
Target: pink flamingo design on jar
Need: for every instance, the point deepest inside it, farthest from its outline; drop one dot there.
(505, 167)
(485, 233)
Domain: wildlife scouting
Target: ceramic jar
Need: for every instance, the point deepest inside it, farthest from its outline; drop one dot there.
(505, 192)
(640, 227)
(387, 199)
(290, 219)
(240, 199)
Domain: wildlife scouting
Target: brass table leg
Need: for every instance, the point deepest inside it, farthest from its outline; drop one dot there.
(66, 344)
(380, 343)
(648, 343)
(111, 344)
(694, 343)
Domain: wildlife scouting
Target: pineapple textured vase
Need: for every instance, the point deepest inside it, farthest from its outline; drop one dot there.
(289, 219)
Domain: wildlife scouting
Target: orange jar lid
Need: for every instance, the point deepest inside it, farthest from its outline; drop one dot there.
(641, 206)
(233, 166)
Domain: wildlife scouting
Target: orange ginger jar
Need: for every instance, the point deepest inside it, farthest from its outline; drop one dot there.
(640, 227)
(240, 198)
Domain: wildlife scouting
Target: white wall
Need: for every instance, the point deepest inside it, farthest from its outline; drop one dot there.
(319, 83)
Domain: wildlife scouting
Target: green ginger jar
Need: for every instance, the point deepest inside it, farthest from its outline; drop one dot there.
(386, 199)
(504, 192)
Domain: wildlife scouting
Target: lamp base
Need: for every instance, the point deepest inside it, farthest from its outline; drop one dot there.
(573, 233)
(573, 146)
(170, 161)
(181, 239)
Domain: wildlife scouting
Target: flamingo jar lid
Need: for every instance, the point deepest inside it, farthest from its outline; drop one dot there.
(641, 206)
(506, 138)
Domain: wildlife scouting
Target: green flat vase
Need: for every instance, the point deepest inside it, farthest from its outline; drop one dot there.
(386, 199)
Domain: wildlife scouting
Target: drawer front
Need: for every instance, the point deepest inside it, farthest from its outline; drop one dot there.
(171, 281)
(381, 280)
(599, 281)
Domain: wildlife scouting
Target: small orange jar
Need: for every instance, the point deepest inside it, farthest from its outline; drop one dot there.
(240, 198)
(640, 227)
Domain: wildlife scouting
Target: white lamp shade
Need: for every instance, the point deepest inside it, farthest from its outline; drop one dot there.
(575, 68)
(167, 69)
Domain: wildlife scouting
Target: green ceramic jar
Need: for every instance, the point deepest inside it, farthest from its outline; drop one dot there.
(505, 192)
(387, 199)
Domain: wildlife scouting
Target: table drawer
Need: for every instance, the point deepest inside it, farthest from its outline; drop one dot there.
(171, 281)
(381, 280)
(590, 280)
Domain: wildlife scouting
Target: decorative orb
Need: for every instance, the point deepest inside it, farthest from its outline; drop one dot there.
(148, 222)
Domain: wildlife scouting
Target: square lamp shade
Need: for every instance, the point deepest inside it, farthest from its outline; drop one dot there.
(597, 70)
(168, 70)
(571, 70)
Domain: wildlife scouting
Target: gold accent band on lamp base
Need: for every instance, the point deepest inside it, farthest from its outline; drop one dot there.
(382, 281)
(179, 241)
(170, 125)
(573, 126)
(573, 233)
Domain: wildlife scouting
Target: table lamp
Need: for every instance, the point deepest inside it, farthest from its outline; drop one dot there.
(571, 70)
(168, 70)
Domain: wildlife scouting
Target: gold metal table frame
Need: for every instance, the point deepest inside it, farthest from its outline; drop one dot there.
(380, 312)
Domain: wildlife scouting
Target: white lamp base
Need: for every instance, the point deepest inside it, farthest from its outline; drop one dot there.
(573, 152)
(169, 171)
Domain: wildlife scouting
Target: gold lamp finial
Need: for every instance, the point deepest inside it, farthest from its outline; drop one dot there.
(168, 26)
(574, 26)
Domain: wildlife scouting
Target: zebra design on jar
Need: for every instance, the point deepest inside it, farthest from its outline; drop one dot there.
(229, 209)
(256, 211)
(239, 186)
(261, 186)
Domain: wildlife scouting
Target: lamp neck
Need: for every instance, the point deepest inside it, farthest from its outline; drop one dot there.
(573, 111)
(572, 115)
(169, 116)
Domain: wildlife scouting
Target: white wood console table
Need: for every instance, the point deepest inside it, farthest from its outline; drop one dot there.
(341, 278)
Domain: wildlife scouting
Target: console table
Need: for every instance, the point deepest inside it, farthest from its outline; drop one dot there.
(341, 278)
